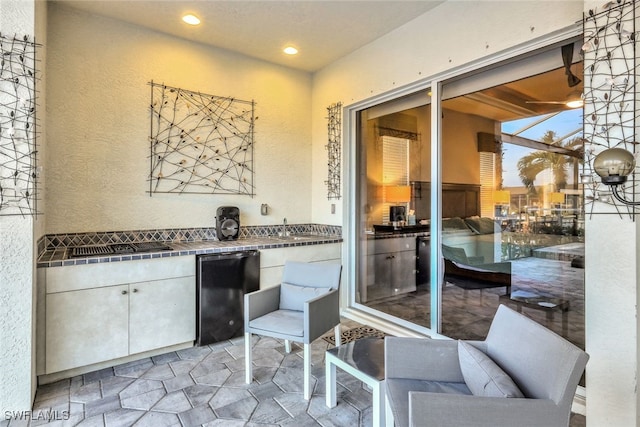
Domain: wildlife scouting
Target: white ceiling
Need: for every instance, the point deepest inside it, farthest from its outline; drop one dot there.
(323, 31)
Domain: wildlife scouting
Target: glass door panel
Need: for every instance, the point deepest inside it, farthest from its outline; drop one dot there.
(512, 208)
(393, 159)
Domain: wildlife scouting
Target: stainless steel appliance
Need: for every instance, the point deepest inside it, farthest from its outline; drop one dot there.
(222, 280)
(398, 215)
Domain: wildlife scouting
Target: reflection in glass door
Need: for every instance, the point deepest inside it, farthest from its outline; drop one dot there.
(512, 221)
(394, 155)
(508, 193)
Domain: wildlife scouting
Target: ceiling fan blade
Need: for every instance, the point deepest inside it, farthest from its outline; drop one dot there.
(547, 102)
(567, 57)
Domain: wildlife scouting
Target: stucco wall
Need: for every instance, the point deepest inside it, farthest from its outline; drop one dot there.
(611, 290)
(98, 114)
(17, 376)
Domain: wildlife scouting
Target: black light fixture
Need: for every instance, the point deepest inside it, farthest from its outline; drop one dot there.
(613, 165)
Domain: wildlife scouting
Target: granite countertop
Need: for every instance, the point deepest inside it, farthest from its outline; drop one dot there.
(61, 256)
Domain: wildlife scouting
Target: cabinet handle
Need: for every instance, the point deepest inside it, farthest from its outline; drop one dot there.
(135, 290)
(124, 292)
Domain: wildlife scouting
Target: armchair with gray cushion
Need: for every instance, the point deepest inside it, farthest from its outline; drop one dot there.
(523, 374)
(304, 307)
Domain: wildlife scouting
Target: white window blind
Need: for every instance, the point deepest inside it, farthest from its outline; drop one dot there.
(487, 179)
(395, 167)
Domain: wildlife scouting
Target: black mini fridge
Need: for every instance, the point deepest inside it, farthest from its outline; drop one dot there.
(222, 280)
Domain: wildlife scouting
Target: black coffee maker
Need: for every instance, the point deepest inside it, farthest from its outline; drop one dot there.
(398, 215)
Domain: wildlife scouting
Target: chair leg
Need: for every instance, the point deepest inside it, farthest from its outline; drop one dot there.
(307, 371)
(337, 333)
(287, 346)
(388, 415)
(247, 358)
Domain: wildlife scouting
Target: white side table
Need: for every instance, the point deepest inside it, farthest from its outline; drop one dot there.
(364, 359)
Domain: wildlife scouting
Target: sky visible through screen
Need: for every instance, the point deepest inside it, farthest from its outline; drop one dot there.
(561, 124)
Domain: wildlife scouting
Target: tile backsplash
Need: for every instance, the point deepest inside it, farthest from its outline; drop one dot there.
(58, 241)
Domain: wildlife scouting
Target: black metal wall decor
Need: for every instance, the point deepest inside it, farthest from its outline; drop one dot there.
(18, 126)
(200, 143)
(610, 90)
(334, 128)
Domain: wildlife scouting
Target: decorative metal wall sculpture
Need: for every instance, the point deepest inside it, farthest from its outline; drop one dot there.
(333, 147)
(200, 143)
(17, 126)
(610, 95)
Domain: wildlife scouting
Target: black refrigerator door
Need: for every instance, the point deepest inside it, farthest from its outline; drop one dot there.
(423, 261)
(222, 281)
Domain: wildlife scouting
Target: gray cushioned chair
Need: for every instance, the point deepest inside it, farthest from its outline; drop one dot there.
(435, 383)
(302, 308)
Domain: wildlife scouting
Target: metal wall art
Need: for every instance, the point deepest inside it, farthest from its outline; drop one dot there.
(200, 143)
(334, 128)
(17, 126)
(609, 98)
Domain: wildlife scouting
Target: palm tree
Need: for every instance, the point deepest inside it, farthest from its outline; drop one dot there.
(531, 165)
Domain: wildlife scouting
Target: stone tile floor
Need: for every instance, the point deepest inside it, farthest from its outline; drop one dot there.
(205, 386)
(468, 314)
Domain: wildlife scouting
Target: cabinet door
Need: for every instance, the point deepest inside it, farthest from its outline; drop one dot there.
(86, 326)
(162, 313)
(403, 277)
(381, 266)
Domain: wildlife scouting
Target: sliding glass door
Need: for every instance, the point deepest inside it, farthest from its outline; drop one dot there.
(394, 150)
(497, 162)
(512, 211)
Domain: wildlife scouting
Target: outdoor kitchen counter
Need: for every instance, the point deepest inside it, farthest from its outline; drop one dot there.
(61, 256)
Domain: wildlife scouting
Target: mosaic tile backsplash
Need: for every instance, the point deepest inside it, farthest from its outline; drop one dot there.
(176, 235)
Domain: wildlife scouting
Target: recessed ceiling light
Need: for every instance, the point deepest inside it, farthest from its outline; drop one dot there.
(575, 104)
(290, 50)
(191, 19)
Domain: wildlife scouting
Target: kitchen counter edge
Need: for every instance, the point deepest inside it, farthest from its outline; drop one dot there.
(59, 257)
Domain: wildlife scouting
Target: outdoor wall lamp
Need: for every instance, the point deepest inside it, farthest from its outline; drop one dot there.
(613, 165)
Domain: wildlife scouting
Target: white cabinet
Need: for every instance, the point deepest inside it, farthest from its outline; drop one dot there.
(161, 313)
(86, 327)
(100, 312)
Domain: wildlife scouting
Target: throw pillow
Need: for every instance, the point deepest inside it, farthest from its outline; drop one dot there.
(293, 297)
(482, 375)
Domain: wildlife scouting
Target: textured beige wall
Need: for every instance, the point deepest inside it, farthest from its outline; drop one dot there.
(17, 281)
(612, 261)
(98, 127)
(16, 315)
